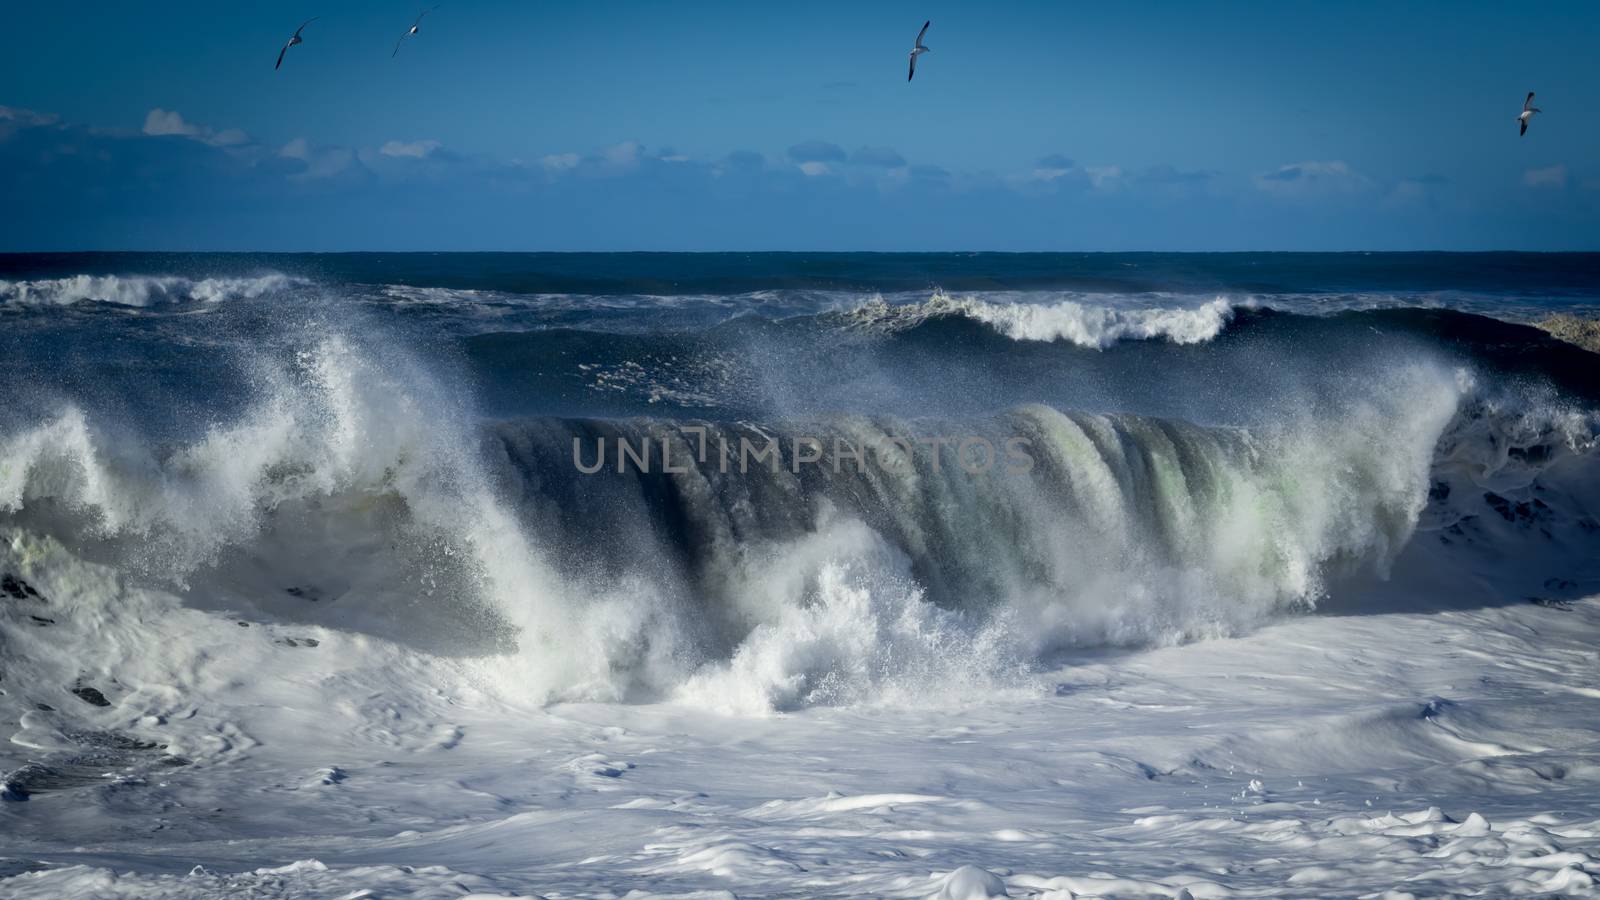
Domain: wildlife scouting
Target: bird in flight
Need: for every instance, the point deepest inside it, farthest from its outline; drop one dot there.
(918, 50)
(293, 40)
(1528, 109)
(409, 33)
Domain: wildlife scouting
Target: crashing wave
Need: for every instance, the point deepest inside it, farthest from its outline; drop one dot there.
(358, 489)
(1083, 324)
(138, 290)
(763, 587)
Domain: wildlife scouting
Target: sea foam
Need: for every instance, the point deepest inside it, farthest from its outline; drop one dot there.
(138, 290)
(1086, 324)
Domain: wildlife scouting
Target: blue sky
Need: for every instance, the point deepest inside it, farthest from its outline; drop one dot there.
(611, 125)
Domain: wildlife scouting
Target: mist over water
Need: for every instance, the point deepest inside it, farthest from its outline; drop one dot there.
(401, 458)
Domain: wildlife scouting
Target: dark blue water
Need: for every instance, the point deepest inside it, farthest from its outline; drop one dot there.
(1520, 276)
(166, 343)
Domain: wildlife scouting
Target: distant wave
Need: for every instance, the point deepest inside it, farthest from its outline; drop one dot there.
(1083, 324)
(137, 290)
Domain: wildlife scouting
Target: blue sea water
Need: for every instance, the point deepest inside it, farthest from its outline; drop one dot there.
(1211, 438)
(1531, 276)
(725, 335)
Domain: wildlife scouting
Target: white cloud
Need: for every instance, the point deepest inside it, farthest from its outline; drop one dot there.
(165, 122)
(1549, 176)
(815, 169)
(26, 117)
(608, 162)
(1051, 168)
(1312, 178)
(413, 150)
(161, 122)
(1103, 176)
(326, 163)
(1057, 171)
(623, 156)
(321, 162)
(561, 162)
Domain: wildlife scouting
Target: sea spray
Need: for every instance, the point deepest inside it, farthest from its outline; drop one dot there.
(1085, 324)
(803, 585)
(139, 290)
(1194, 471)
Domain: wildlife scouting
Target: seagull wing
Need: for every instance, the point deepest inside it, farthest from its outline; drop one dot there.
(398, 43)
(1528, 102)
(421, 14)
(921, 34)
(1524, 127)
(280, 57)
(913, 67)
(304, 24)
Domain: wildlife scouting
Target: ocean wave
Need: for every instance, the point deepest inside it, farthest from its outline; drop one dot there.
(138, 290)
(847, 623)
(357, 479)
(358, 487)
(1579, 331)
(1089, 325)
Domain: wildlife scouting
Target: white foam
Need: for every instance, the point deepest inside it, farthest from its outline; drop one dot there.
(359, 476)
(1099, 326)
(841, 621)
(1096, 325)
(137, 290)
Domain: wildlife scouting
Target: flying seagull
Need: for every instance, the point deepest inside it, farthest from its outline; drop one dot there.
(918, 50)
(293, 40)
(1528, 109)
(410, 32)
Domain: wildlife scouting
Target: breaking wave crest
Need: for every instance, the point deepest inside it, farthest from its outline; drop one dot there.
(364, 484)
(137, 290)
(358, 485)
(1085, 324)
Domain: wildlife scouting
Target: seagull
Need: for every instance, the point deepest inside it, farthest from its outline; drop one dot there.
(1528, 109)
(411, 32)
(918, 50)
(293, 40)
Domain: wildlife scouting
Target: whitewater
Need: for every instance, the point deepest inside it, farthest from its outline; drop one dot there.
(1280, 577)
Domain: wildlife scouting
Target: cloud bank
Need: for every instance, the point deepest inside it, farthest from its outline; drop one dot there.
(177, 184)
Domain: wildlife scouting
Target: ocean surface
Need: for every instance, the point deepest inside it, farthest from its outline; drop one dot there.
(244, 496)
(1122, 449)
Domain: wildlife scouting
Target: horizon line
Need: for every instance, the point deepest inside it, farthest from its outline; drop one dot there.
(796, 252)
